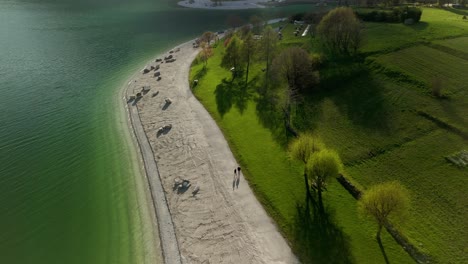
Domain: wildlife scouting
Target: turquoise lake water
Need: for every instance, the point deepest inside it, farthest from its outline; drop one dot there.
(67, 174)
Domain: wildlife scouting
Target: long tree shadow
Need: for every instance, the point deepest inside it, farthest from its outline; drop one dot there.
(270, 114)
(361, 98)
(233, 93)
(318, 238)
(384, 254)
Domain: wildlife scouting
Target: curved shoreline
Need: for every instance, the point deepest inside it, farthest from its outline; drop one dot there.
(217, 224)
(169, 246)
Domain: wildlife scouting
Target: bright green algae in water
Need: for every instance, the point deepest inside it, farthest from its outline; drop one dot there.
(67, 177)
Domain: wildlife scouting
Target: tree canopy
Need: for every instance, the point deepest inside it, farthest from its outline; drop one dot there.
(340, 31)
(322, 166)
(383, 201)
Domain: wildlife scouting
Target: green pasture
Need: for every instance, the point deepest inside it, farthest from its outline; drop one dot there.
(437, 222)
(420, 65)
(435, 24)
(459, 44)
(253, 129)
(456, 46)
(371, 113)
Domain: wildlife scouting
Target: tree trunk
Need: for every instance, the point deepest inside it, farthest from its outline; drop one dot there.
(306, 182)
(247, 71)
(319, 189)
(378, 232)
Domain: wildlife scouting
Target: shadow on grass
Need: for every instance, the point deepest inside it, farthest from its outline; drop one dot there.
(355, 92)
(364, 103)
(384, 254)
(318, 238)
(421, 25)
(271, 116)
(199, 75)
(233, 93)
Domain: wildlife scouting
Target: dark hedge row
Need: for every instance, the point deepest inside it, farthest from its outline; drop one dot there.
(394, 15)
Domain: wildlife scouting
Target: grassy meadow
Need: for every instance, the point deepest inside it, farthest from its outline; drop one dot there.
(370, 112)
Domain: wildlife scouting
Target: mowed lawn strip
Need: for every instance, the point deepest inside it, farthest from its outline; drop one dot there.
(277, 180)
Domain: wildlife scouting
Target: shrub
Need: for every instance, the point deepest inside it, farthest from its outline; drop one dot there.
(394, 15)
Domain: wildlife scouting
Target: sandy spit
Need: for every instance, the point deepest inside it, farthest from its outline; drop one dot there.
(222, 222)
(225, 5)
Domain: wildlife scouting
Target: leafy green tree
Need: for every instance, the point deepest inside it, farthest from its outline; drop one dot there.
(301, 149)
(340, 31)
(248, 51)
(232, 59)
(321, 167)
(385, 201)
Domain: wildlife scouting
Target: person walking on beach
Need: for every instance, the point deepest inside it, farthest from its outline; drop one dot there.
(234, 180)
(238, 177)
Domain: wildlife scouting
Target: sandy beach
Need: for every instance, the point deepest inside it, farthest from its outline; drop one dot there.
(208, 4)
(221, 223)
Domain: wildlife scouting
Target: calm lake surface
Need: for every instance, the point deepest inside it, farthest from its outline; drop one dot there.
(67, 171)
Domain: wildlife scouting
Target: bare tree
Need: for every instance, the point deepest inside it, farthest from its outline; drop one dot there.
(295, 66)
(268, 45)
(207, 37)
(205, 53)
(383, 201)
(248, 50)
(340, 31)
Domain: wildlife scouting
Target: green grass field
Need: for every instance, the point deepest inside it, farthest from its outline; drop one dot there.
(459, 44)
(277, 180)
(435, 24)
(372, 118)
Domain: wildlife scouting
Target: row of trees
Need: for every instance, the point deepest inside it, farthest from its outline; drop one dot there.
(340, 33)
(382, 202)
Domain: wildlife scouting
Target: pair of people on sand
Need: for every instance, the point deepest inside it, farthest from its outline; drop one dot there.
(236, 181)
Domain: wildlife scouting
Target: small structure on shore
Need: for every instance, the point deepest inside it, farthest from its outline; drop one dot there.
(145, 89)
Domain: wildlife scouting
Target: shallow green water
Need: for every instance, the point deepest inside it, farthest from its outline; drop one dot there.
(67, 188)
